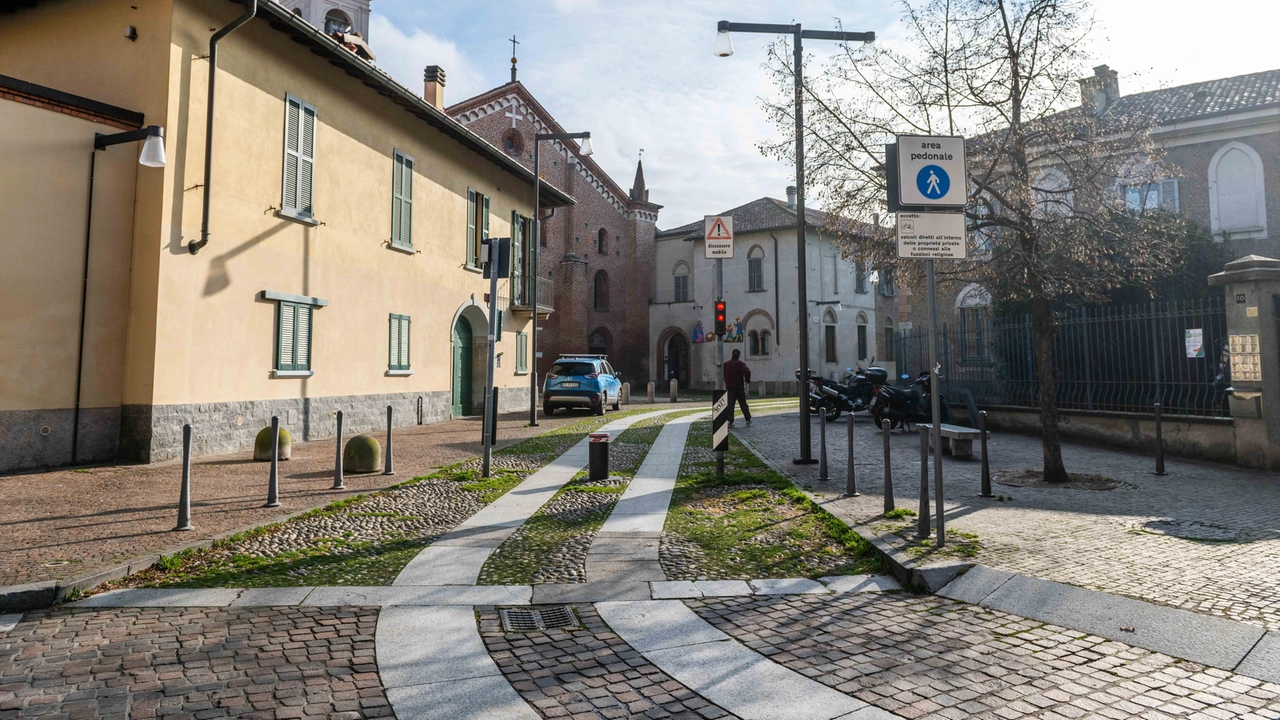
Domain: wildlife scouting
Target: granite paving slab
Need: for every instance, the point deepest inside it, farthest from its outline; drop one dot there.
(1204, 639)
(272, 596)
(423, 595)
(722, 588)
(860, 583)
(162, 597)
(1263, 661)
(788, 586)
(590, 592)
(9, 622)
(674, 590)
(481, 698)
(975, 585)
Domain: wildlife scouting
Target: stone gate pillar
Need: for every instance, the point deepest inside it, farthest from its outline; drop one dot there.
(1252, 286)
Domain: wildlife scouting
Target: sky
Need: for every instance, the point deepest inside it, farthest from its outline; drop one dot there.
(641, 75)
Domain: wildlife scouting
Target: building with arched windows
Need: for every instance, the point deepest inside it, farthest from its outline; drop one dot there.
(1221, 139)
(760, 293)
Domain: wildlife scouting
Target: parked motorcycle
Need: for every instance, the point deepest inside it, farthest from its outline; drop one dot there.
(852, 396)
(902, 406)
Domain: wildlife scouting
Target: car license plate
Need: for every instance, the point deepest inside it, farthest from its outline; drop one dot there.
(569, 384)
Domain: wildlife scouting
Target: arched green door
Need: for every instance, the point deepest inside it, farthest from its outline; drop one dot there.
(462, 367)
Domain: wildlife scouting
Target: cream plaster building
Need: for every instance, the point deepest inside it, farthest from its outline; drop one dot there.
(343, 237)
(760, 292)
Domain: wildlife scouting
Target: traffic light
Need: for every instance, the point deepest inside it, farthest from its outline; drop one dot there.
(720, 318)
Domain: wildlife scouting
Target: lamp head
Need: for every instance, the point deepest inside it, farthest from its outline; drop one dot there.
(585, 146)
(153, 148)
(724, 43)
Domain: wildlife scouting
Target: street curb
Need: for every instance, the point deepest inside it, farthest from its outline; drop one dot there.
(929, 578)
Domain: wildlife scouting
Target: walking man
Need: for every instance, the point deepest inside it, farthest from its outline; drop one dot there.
(736, 376)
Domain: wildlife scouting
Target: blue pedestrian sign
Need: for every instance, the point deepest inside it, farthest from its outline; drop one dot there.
(933, 181)
(931, 172)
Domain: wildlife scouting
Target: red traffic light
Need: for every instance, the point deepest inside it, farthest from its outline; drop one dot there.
(720, 317)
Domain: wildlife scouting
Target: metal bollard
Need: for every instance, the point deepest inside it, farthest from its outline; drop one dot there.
(387, 467)
(922, 521)
(337, 460)
(822, 446)
(675, 389)
(598, 456)
(888, 469)
(650, 394)
(184, 496)
(986, 467)
(626, 393)
(273, 485)
(1159, 442)
(850, 483)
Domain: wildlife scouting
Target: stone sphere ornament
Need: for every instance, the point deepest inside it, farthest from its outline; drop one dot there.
(262, 444)
(362, 454)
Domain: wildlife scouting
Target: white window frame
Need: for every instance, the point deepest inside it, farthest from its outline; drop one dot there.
(1259, 232)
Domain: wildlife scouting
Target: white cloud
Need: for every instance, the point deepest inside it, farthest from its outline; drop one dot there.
(404, 55)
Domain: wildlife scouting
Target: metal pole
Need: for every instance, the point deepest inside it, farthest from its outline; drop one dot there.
(534, 273)
(388, 468)
(719, 336)
(84, 303)
(850, 483)
(822, 446)
(337, 460)
(1159, 442)
(493, 332)
(802, 291)
(184, 496)
(986, 467)
(935, 395)
(273, 484)
(888, 468)
(922, 520)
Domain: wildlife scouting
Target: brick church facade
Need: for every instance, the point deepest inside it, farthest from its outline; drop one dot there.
(596, 256)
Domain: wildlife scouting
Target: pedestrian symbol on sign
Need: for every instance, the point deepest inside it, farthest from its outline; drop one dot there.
(933, 181)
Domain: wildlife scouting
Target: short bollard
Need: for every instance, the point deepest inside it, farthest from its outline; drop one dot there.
(1159, 442)
(986, 467)
(337, 460)
(850, 482)
(650, 394)
(626, 393)
(598, 456)
(922, 522)
(822, 446)
(184, 495)
(888, 469)
(273, 485)
(388, 468)
(675, 389)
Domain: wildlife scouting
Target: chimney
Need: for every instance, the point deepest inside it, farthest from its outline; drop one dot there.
(1100, 92)
(791, 196)
(433, 86)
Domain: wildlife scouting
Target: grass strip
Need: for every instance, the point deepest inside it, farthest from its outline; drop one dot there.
(752, 523)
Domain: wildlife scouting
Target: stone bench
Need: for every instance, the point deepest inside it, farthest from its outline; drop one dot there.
(955, 439)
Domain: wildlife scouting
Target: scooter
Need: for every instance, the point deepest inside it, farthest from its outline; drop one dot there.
(902, 406)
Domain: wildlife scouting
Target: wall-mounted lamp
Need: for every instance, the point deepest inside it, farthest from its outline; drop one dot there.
(152, 145)
(131, 33)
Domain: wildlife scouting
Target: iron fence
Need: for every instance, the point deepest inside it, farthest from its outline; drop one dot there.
(1119, 358)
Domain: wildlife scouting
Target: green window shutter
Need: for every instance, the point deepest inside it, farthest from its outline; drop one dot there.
(522, 352)
(472, 255)
(292, 132)
(402, 201)
(498, 336)
(398, 342)
(307, 159)
(286, 329)
(517, 238)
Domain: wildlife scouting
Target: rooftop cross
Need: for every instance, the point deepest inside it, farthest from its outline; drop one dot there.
(514, 42)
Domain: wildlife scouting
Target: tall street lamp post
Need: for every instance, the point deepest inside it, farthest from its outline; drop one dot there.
(724, 48)
(535, 242)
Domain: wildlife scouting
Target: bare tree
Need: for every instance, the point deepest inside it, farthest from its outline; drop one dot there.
(1045, 220)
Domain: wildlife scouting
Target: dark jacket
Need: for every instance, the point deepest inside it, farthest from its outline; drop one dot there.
(736, 373)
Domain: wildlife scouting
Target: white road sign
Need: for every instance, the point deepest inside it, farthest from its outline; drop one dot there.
(719, 236)
(924, 236)
(931, 171)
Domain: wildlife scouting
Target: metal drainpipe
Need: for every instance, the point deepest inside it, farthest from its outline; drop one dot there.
(194, 246)
(777, 304)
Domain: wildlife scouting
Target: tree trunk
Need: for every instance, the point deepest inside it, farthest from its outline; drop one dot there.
(1043, 330)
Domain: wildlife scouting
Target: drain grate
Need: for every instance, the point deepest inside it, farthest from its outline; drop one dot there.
(530, 620)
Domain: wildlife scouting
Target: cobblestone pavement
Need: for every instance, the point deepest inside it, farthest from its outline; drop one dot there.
(588, 673)
(69, 523)
(192, 663)
(931, 658)
(1087, 538)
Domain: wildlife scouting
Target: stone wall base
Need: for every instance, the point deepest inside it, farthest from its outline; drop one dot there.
(36, 439)
(1204, 438)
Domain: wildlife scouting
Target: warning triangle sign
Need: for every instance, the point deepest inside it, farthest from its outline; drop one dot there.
(719, 231)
